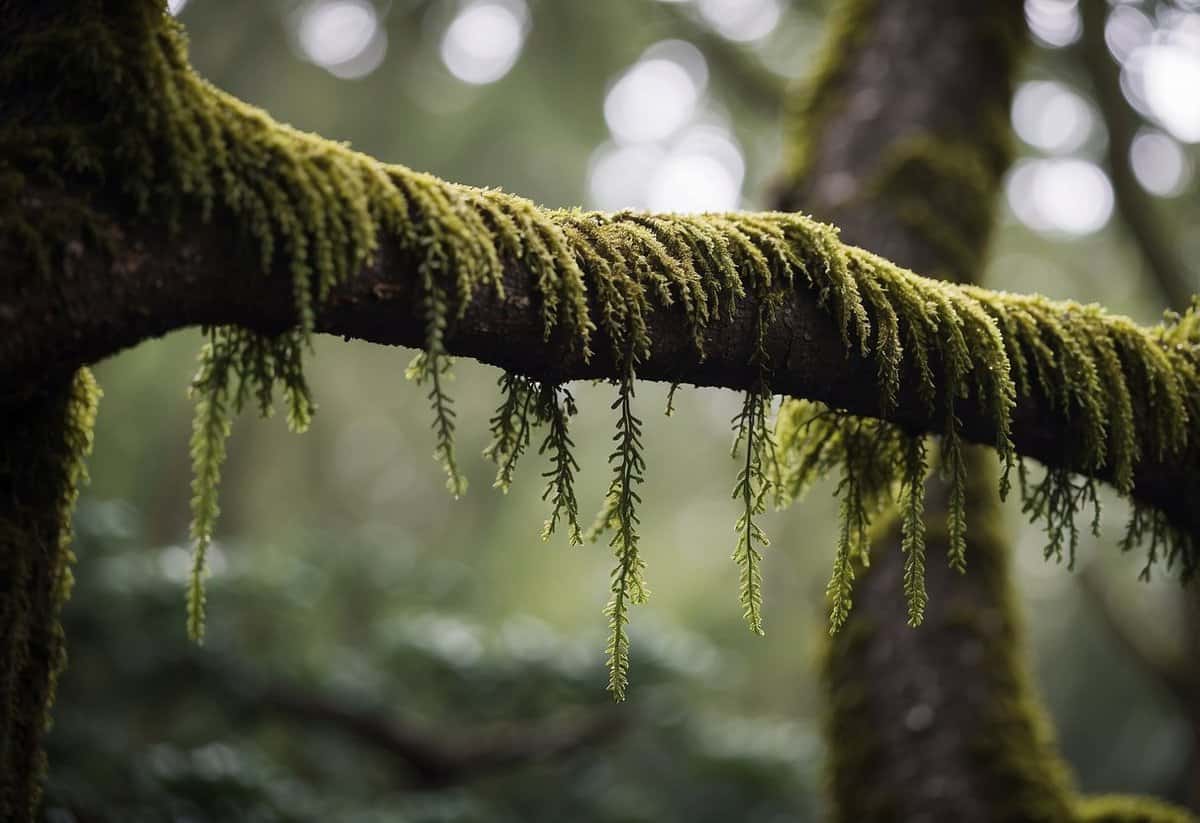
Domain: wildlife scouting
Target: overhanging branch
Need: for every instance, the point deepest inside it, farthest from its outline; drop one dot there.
(144, 200)
(207, 275)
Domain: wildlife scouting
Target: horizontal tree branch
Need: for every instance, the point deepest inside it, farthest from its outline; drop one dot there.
(145, 200)
(207, 274)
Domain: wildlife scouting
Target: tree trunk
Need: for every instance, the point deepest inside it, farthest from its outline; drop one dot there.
(46, 434)
(904, 141)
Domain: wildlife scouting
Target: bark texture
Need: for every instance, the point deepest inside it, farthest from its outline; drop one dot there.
(208, 275)
(937, 723)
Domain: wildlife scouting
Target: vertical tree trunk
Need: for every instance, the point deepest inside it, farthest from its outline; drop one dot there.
(45, 434)
(903, 141)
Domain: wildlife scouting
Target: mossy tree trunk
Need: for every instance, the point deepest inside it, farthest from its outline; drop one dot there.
(46, 433)
(901, 140)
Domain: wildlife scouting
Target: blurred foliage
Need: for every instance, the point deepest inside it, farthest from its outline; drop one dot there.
(152, 726)
(344, 570)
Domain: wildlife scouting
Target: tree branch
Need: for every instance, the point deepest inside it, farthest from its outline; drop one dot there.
(437, 757)
(207, 275)
(160, 207)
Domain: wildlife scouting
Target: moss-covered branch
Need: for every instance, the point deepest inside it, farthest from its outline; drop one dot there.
(142, 199)
(352, 246)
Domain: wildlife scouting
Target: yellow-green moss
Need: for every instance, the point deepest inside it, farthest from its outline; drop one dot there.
(1012, 744)
(943, 190)
(141, 125)
(1120, 809)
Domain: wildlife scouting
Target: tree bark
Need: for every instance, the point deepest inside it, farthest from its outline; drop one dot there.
(948, 728)
(208, 274)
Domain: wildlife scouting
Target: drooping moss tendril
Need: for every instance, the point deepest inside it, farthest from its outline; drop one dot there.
(628, 584)
(751, 489)
(560, 477)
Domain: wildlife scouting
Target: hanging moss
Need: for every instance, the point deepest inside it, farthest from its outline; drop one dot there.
(142, 126)
(991, 756)
(1019, 777)
(47, 436)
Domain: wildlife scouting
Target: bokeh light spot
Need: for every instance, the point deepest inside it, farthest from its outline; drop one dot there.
(651, 100)
(1060, 196)
(1051, 117)
(484, 40)
(1127, 29)
(1171, 83)
(1055, 23)
(334, 33)
(1159, 163)
(701, 170)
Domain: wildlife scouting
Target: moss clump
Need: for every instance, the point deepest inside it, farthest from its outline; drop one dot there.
(943, 191)
(1129, 391)
(48, 433)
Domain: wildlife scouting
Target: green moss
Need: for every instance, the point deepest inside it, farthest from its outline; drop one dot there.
(821, 95)
(1012, 748)
(141, 126)
(48, 433)
(942, 189)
